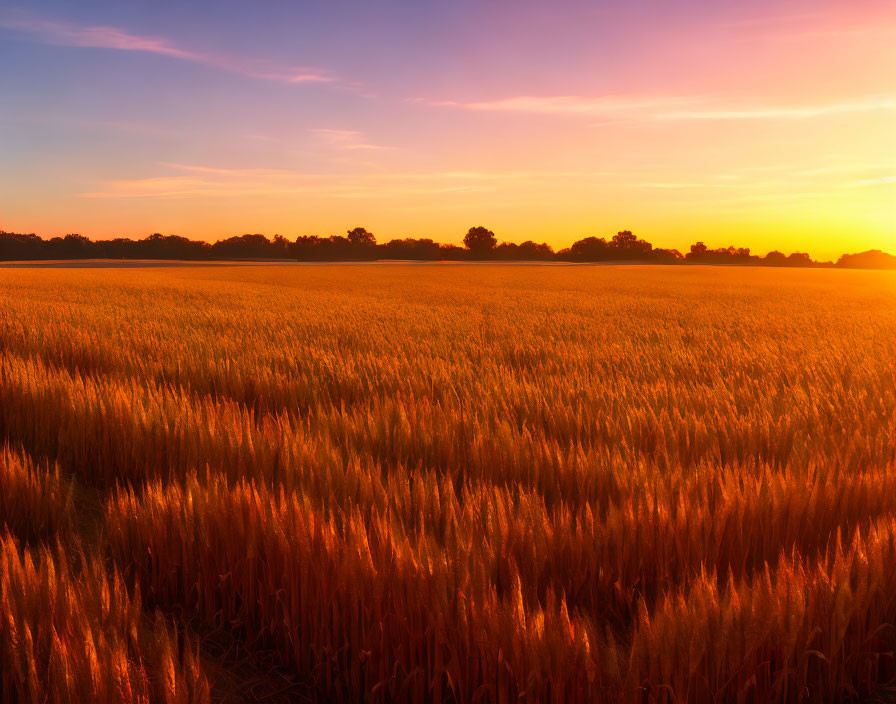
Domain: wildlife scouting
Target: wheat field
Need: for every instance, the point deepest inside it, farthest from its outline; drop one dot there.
(447, 483)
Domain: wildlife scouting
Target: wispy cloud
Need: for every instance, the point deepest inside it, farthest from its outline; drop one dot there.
(180, 181)
(318, 185)
(868, 182)
(606, 105)
(347, 139)
(664, 185)
(783, 112)
(850, 167)
(104, 37)
(217, 171)
(784, 178)
(667, 108)
(198, 181)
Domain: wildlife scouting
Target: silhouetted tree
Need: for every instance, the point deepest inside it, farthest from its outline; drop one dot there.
(533, 250)
(666, 256)
(589, 249)
(775, 258)
(527, 251)
(15, 247)
(359, 237)
(281, 247)
(337, 248)
(409, 248)
(72, 246)
(626, 246)
(799, 259)
(700, 254)
(308, 248)
(245, 247)
(158, 246)
(872, 259)
(361, 244)
(480, 241)
(624, 239)
(452, 253)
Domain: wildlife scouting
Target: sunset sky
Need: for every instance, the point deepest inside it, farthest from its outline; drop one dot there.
(761, 124)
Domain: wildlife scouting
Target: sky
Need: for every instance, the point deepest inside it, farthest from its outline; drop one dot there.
(766, 124)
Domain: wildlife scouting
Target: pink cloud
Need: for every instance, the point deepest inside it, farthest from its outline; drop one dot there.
(567, 104)
(347, 139)
(103, 37)
(669, 107)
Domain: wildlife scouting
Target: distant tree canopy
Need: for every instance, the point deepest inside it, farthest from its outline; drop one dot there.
(480, 240)
(700, 254)
(359, 237)
(624, 246)
(480, 243)
(872, 259)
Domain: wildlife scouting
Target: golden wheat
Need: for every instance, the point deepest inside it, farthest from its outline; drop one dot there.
(456, 483)
(35, 501)
(74, 634)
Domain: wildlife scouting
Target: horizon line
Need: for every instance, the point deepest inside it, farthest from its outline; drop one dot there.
(440, 243)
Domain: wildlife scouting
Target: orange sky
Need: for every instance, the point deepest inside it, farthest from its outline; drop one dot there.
(769, 126)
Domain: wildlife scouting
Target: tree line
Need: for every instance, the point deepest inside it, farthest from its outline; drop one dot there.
(358, 244)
